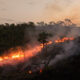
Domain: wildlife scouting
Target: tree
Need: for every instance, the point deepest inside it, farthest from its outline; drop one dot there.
(41, 23)
(51, 23)
(43, 38)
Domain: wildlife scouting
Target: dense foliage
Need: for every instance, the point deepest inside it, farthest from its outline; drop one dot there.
(12, 35)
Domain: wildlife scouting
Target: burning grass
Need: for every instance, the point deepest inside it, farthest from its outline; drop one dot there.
(64, 39)
(15, 56)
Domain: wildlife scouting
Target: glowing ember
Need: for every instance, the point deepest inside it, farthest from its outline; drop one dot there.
(40, 70)
(30, 72)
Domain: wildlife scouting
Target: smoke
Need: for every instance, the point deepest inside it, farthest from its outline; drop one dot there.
(61, 9)
(59, 30)
(56, 52)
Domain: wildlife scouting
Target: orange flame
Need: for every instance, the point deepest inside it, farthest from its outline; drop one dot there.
(48, 43)
(1, 59)
(6, 58)
(64, 39)
(19, 55)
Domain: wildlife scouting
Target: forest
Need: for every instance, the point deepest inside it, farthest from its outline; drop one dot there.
(57, 48)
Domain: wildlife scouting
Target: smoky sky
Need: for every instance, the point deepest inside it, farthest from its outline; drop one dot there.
(39, 10)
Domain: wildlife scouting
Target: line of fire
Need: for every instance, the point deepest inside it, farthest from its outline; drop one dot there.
(20, 55)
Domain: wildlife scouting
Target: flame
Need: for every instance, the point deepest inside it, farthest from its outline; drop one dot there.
(1, 59)
(20, 55)
(48, 43)
(6, 58)
(15, 56)
(64, 39)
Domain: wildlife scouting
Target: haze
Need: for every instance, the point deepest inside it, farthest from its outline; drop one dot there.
(17, 11)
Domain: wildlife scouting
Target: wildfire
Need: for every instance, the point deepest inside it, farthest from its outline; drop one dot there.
(48, 43)
(64, 39)
(19, 54)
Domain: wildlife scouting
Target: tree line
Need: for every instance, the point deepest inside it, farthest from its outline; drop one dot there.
(12, 35)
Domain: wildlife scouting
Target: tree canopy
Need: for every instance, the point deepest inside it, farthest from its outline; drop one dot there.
(43, 37)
